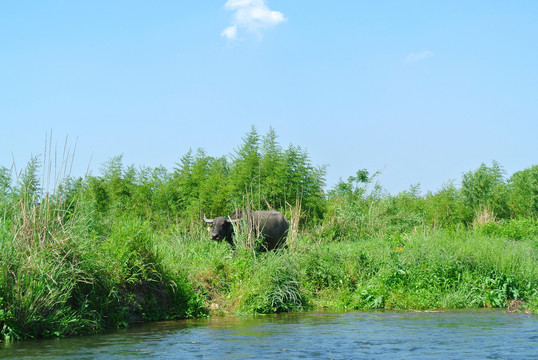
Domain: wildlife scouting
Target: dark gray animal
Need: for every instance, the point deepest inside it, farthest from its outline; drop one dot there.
(269, 226)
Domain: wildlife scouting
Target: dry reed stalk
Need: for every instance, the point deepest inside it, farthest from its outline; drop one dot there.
(484, 216)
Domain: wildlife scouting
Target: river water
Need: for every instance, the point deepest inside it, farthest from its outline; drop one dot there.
(484, 334)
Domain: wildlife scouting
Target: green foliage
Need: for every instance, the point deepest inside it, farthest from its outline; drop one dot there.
(100, 252)
(63, 273)
(5, 190)
(272, 287)
(421, 271)
(5, 183)
(36, 286)
(29, 188)
(523, 187)
(201, 185)
(263, 175)
(259, 175)
(485, 188)
(445, 208)
(357, 208)
(516, 229)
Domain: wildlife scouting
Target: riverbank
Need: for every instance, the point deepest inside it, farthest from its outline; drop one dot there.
(72, 283)
(424, 270)
(81, 255)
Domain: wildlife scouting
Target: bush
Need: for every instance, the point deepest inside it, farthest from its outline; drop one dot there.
(272, 287)
(128, 245)
(515, 229)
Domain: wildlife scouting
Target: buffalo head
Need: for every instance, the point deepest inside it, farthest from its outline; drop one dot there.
(222, 227)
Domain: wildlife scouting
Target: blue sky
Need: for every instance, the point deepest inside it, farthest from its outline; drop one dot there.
(422, 90)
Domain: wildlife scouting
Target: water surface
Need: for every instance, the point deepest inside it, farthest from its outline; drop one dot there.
(484, 334)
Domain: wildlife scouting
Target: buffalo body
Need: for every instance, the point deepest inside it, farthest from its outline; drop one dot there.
(269, 226)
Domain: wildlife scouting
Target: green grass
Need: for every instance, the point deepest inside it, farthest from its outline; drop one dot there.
(421, 271)
(70, 280)
(106, 252)
(74, 281)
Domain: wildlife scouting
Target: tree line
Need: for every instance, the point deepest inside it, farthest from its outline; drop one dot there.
(78, 255)
(261, 174)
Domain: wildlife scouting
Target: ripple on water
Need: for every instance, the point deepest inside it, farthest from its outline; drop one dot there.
(372, 335)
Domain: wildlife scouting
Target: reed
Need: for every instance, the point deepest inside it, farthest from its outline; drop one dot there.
(82, 255)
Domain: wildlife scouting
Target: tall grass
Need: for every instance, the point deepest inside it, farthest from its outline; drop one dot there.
(424, 270)
(60, 276)
(65, 280)
(82, 255)
(80, 282)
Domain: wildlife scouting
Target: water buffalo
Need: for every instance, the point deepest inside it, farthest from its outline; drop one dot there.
(269, 226)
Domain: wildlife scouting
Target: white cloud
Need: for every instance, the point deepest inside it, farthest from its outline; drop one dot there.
(418, 56)
(230, 32)
(252, 15)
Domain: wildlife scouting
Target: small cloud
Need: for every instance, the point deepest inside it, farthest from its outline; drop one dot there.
(230, 32)
(418, 56)
(252, 15)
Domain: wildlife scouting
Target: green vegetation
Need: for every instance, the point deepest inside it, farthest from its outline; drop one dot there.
(79, 255)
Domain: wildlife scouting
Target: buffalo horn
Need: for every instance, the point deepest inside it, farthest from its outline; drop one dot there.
(208, 220)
